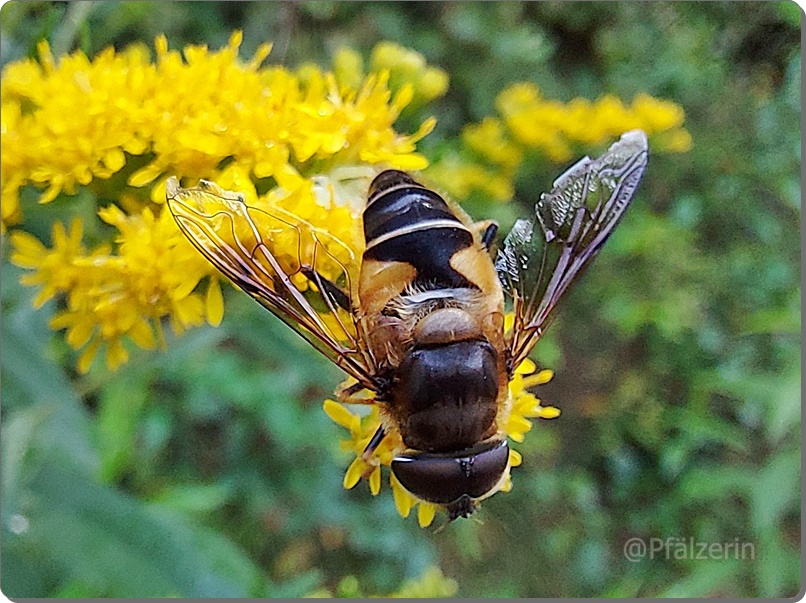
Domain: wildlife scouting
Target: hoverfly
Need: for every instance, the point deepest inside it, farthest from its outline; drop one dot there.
(419, 321)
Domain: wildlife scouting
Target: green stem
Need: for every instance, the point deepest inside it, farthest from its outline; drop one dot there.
(65, 35)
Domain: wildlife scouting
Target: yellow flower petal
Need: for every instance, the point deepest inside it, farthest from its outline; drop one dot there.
(340, 415)
(157, 194)
(87, 356)
(142, 335)
(526, 367)
(235, 39)
(403, 500)
(507, 485)
(517, 423)
(214, 303)
(540, 378)
(47, 293)
(260, 55)
(135, 146)
(375, 481)
(80, 334)
(116, 354)
(425, 513)
(51, 193)
(145, 175)
(114, 159)
(28, 251)
(516, 435)
(434, 83)
(354, 473)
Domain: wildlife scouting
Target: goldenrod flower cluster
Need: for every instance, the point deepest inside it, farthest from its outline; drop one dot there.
(111, 297)
(494, 149)
(305, 138)
(80, 120)
(406, 68)
(515, 421)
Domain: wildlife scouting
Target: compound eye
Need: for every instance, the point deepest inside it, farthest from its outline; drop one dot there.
(443, 478)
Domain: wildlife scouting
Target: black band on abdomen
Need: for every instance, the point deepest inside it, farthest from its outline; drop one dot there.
(402, 207)
(406, 222)
(430, 251)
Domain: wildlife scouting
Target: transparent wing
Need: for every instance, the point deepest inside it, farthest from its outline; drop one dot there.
(279, 260)
(540, 258)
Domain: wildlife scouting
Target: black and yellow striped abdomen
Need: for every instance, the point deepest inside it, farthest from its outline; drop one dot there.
(405, 222)
(432, 309)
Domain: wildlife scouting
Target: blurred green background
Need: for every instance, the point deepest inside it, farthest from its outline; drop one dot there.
(210, 469)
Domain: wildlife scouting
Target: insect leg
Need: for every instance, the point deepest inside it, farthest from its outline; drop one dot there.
(336, 295)
(489, 235)
(374, 442)
(357, 393)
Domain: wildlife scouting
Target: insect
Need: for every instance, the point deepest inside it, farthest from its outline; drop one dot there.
(419, 320)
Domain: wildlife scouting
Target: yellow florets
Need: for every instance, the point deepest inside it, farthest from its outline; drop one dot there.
(515, 422)
(76, 121)
(69, 123)
(494, 149)
(111, 297)
(406, 65)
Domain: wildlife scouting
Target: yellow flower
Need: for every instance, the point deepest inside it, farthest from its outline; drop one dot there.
(657, 115)
(525, 405)
(348, 67)
(55, 270)
(514, 423)
(309, 137)
(489, 140)
(80, 121)
(460, 177)
(494, 148)
(433, 83)
(409, 66)
(432, 583)
(555, 128)
(125, 295)
(83, 120)
(361, 431)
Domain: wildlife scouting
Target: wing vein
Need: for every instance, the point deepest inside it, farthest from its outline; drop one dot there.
(573, 223)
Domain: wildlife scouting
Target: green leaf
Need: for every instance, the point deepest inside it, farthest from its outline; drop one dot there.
(36, 381)
(194, 498)
(713, 484)
(706, 579)
(120, 408)
(121, 548)
(776, 490)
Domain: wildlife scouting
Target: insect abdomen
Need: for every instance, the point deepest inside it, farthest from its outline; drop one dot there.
(445, 395)
(405, 222)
